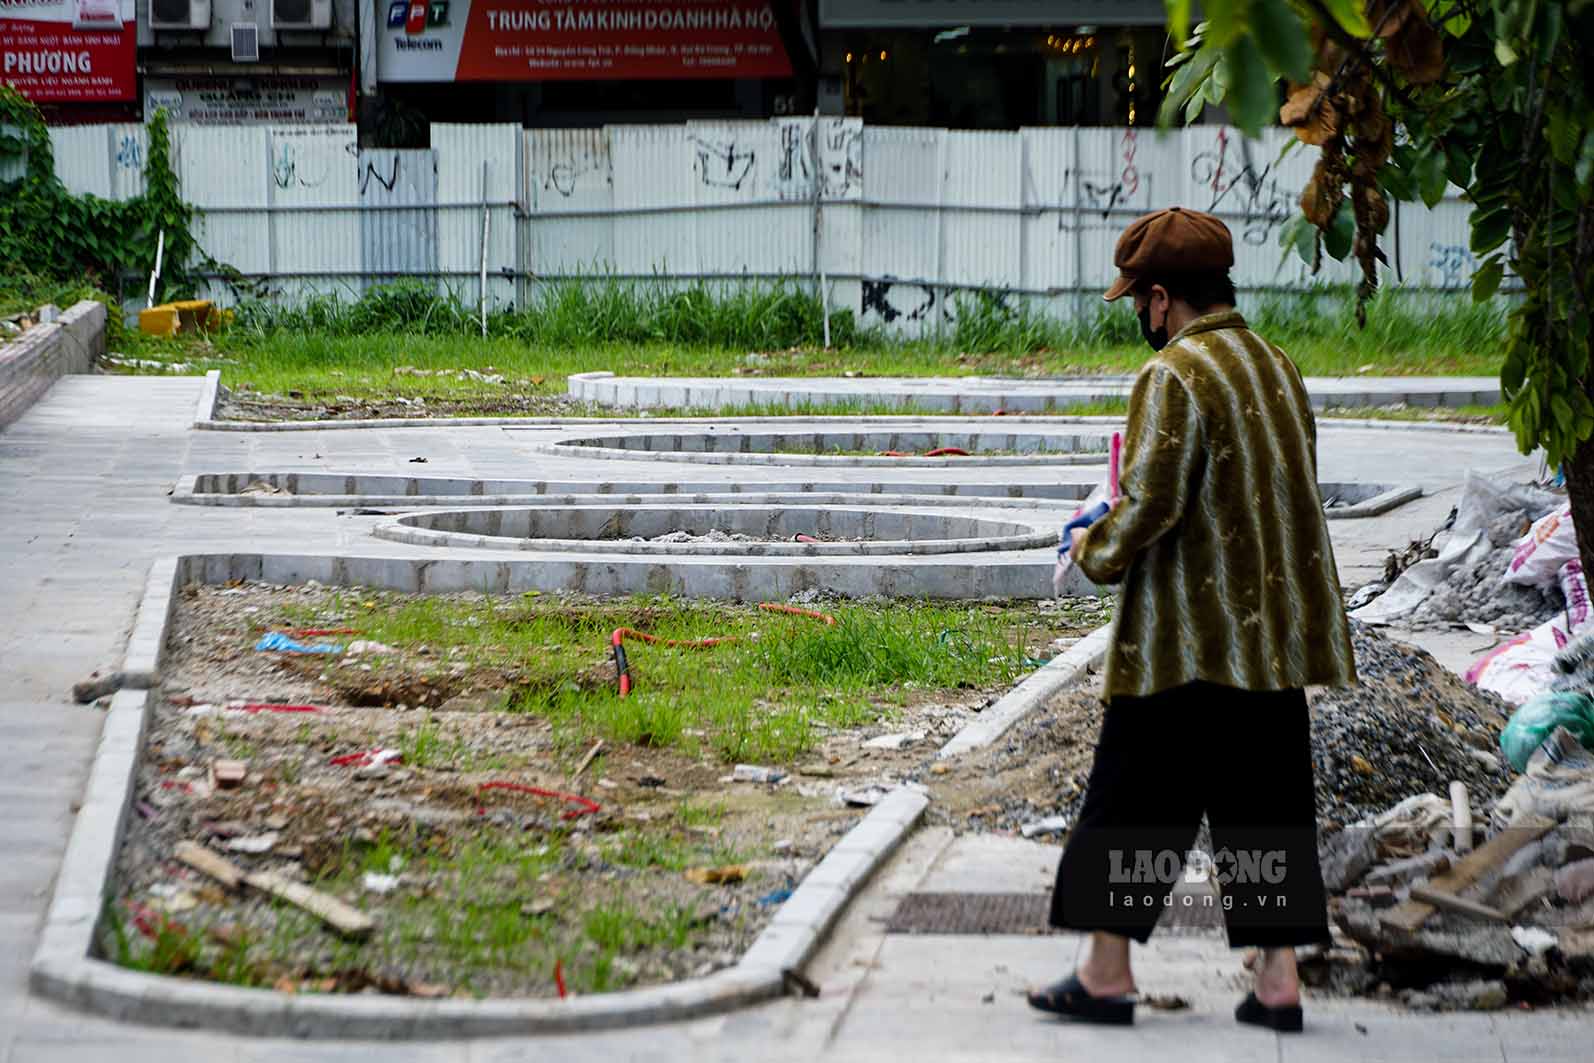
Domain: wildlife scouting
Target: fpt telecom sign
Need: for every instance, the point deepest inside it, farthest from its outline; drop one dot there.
(69, 51)
(579, 40)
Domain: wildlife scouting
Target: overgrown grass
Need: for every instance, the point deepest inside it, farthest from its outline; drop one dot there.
(326, 347)
(765, 697)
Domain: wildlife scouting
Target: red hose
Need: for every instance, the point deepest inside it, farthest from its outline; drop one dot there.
(946, 452)
(622, 667)
(587, 805)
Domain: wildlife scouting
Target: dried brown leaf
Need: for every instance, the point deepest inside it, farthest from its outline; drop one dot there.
(1417, 52)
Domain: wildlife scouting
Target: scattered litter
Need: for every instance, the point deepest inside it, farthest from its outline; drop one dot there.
(584, 805)
(1540, 715)
(261, 487)
(228, 774)
(714, 876)
(1534, 940)
(784, 845)
(1049, 825)
(895, 741)
(97, 686)
(864, 797)
(369, 757)
(417, 461)
(586, 761)
(348, 921)
(254, 844)
(756, 773)
(1550, 543)
(266, 706)
(780, 896)
(375, 882)
(277, 642)
(1165, 1001)
(359, 646)
(559, 978)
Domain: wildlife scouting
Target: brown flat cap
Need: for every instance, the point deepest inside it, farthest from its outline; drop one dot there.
(1174, 240)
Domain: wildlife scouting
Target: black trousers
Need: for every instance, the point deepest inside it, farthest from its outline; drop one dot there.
(1241, 757)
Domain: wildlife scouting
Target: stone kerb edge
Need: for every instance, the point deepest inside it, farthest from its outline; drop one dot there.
(63, 968)
(1033, 692)
(34, 361)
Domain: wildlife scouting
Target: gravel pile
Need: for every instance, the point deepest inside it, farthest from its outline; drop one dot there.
(1410, 727)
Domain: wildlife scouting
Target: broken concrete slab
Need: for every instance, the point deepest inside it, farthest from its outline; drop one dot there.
(1483, 945)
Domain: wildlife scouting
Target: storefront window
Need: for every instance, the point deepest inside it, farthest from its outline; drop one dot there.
(980, 78)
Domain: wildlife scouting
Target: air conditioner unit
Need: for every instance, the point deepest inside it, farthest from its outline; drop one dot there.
(179, 14)
(245, 42)
(301, 14)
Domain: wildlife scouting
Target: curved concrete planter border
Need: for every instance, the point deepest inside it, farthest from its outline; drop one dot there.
(368, 491)
(829, 516)
(65, 969)
(976, 395)
(734, 446)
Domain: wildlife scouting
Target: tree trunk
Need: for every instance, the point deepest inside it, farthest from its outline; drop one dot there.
(1580, 492)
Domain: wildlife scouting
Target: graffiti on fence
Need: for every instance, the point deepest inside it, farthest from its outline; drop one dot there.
(882, 297)
(130, 152)
(369, 172)
(842, 157)
(1454, 262)
(572, 170)
(1097, 193)
(1238, 187)
(723, 165)
(287, 170)
(793, 176)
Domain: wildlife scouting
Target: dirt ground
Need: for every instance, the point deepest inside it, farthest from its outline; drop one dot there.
(495, 857)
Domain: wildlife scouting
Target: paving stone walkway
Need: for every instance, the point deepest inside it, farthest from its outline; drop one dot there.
(84, 479)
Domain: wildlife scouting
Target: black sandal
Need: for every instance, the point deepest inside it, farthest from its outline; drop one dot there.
(1072, 1000)
(1285, 1019)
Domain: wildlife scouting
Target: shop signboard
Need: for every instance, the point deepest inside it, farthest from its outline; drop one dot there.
(278, 100)
(69, 51)
(579, 40)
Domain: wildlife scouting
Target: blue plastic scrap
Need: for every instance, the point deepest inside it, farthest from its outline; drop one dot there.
(277, 641)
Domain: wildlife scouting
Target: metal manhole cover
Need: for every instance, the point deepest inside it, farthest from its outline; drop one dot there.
(972, 913)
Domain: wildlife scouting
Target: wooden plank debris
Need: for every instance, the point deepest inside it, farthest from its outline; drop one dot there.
(1467, 870)
(343, 918)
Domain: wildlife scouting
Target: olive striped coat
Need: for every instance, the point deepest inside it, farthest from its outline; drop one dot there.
(1218, 536)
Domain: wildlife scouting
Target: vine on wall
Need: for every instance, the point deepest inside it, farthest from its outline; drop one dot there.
(47, 231)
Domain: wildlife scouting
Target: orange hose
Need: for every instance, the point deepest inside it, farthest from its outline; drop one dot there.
(617, 639)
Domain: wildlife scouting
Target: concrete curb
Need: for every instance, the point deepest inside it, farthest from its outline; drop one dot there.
(989, 394)
(1376, 505)
(1026, 536)
(1029, 695)
(35, 360)
(205, 418)
(219, 489)
(209, 399)
(65, 969)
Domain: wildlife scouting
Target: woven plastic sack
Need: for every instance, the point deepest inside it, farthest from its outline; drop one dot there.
(1539, 716)
(1559, 783)
(1537, 557)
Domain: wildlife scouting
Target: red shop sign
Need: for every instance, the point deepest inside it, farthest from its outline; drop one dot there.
(69, 51)
(579, 40)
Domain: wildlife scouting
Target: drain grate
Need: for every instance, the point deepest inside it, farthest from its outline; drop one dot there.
(1023, 913)
(972, 913)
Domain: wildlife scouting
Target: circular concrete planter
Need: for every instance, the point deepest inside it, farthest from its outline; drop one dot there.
(826, 448)
(855, 529)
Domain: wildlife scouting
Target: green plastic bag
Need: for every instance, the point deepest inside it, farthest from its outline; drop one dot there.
(1531, 724)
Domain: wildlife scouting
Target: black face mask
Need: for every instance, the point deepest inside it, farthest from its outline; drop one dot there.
(1157, 339)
